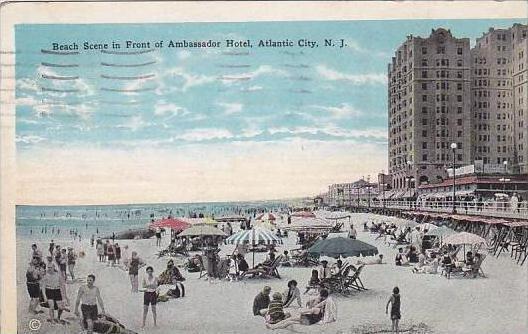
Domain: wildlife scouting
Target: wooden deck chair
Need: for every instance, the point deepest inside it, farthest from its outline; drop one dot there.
(265, 271)
(354, 281)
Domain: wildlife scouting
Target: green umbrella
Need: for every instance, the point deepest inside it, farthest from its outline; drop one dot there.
(345, 247)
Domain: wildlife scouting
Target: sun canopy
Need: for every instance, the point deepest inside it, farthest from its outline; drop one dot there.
(173, 223)
(254, 236)
(441, 231)
(464, 238)
(344, 247)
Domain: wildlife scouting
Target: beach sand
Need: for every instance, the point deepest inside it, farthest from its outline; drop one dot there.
(430, 303)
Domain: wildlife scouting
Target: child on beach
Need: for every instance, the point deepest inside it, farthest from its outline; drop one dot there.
(135, 264)
(395, 315)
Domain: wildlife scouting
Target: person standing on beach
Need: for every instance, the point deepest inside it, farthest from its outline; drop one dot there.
(110, 251)
(89, 294)
(51, 247)
(100, 250)
(105, 249)
(33, 276)
(117, 253)
(150, 284)
(51, 291)
(92, 240)
(133, 268)
(395, 315)
(158, 237)
(71, 261)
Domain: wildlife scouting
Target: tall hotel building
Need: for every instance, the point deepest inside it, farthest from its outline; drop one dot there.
(441, 93)
(429, 87)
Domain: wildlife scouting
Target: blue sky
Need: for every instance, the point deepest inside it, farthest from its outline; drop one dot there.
(197, 99)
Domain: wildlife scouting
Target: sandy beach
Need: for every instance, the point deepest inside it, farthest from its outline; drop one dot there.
(430, 303)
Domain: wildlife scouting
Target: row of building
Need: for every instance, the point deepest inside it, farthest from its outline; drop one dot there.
(454, 110)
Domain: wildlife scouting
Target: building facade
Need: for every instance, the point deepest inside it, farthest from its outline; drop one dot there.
(441, 93)
(429, 108)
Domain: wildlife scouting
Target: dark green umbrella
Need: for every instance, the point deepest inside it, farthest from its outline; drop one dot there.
(345, 247)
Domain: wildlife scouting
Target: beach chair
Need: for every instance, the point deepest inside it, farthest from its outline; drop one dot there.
(337, 283)
(264, 271)
(354, 281)
(303, 259)
(475, 270)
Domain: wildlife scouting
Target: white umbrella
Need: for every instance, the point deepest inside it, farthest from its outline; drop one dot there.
(428, 226)
(464, 238)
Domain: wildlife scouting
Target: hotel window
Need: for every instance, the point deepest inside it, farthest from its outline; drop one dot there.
(424, 86)
(459, 98)
(459, 86)
(424, 145)
(424, 98)
(424, 74)
(424, 50)
(459, 134)
(459, 157)
(459, 63)
(459, 51)
(459, 122)
(424, 133)
(459, 110)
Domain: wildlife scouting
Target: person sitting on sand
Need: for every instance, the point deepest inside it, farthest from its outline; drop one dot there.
(285, 262)
(261, 301)
(314, 280)
(336, 268)
(378, 260)
(401, 259)
(292, 294)
(89, 294)
(421, 261)
(243, 266)
(429, 268)
(322, 309)
(324, 271)
(275, 311)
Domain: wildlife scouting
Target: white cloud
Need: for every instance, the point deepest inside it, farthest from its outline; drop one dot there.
(342, 111)
(251, 75)
(231, 108)
(184, 54)
(332, 130)
(252, 89)
(169, 109)
(356, 79)
(29, 139)
(135, 123)
(205, 134)
(27, 101)
(190, 80)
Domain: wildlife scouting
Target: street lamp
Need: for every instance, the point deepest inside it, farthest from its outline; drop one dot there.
(368, 191)
(454, 147)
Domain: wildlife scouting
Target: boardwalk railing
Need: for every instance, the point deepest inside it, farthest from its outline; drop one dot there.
(494, 209)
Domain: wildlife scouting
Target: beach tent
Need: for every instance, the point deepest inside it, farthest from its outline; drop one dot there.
(345, 247)
(172, 223)
(254, 237)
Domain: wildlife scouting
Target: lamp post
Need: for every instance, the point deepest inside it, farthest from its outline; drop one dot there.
(453, 148)
(368, 192)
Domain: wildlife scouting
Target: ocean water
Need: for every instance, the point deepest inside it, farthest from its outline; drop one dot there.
(45, 222)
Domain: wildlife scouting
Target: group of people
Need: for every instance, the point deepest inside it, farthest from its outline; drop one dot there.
(46, 279)
(321, 309)
(111, 253)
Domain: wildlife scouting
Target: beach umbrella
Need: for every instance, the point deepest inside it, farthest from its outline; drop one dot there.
(201, 230)
(345, 247)
(254, 237)
(442, 231)
(172, 223)
(464, 238)
(428, 226)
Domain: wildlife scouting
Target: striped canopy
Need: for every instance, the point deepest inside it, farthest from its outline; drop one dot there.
(254, 236)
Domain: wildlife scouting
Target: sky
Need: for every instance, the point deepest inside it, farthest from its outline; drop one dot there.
(205, 124)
